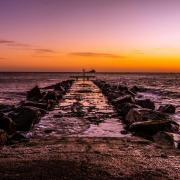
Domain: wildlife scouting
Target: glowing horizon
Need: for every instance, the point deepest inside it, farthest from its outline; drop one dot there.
(106, 35)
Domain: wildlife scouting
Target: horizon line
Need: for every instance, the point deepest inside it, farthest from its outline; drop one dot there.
(98, 72)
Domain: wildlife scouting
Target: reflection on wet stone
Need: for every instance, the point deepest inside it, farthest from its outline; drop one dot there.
(83, 111)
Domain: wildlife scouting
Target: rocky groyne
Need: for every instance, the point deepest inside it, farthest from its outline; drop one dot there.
(140, 115)
(88, 130)
(23, 116)
(83, 112)
(88, 109)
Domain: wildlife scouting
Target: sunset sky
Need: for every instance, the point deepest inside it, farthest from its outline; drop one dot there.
(107, 35)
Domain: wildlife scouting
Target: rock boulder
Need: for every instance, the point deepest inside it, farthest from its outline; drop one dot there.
(167, 139)
(169, 108)
(34, 94)
(7, 124)
(3, 137)
(146, 103)
(150, 127)
(25, 117)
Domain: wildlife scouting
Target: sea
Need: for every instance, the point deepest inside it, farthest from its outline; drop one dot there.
(162, 88)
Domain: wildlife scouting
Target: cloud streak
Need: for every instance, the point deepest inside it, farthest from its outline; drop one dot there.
(42, 56)
(11, 43)
(16, 44)
(2, 58)
(2, 41)
(44, 50)
(93, 54)
(137, 51)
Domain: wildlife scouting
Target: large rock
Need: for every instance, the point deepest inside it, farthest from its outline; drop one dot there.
(122, 88)
(51, 98)
(167, 139)
(3, 137)
(66, 84)
(168, 108)
(130, 93)
(6, 108)
(41, 105)
(146, 103)
(18, 137)
(59, 88)
(59, 94)
(133, 115)
(123, 110)
(174, 126)
(113, 95)
(123, 100)
(51, 95)
(105, 86)
(25, 117)
(7, 124)
(34, 94)
(150, 127)
(136, 89)
(139, 115)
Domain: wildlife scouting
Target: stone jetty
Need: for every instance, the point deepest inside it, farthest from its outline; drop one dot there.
(140, 116)
(86, 108)
(83, 111)
(88, 130)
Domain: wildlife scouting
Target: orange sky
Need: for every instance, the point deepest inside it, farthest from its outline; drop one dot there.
(57, 35)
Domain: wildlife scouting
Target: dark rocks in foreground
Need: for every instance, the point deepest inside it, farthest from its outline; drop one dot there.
(150, 127)
(146, 103)
(167, 138)
(6, 108)
(139, 115)
(41, 105)
(3, 137)
(168, 108)
(7, 124)
(25, 115)
(144, 114)
(123, 100)
(34, 94)
(18, 137)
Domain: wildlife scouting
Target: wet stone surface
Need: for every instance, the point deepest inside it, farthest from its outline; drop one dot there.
(83, 111)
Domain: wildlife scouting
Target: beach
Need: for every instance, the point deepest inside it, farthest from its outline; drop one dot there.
(89, 158)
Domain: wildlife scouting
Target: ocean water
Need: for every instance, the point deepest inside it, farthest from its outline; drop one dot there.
(161, 88)
(13, 86)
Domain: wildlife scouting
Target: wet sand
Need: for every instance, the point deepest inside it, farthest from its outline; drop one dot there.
(89, 158)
